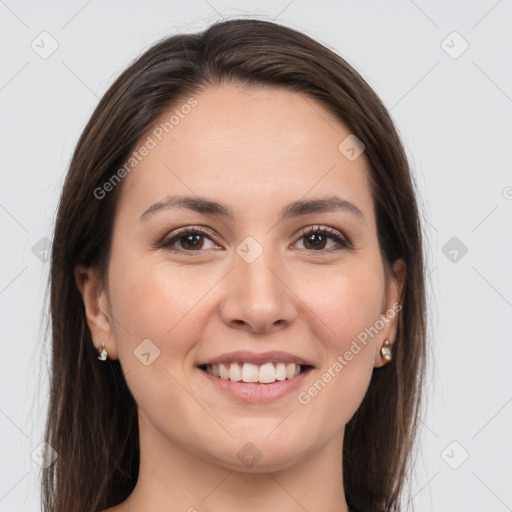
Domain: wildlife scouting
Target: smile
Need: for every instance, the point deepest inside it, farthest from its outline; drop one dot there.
(266, 373)
(252, 383)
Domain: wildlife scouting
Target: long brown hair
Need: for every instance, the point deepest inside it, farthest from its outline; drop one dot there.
(92, 416)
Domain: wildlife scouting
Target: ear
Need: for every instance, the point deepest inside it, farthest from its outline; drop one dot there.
(391, 307)
(97, 309)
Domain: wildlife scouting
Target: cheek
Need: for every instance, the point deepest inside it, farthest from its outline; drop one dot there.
(157, 301)
(342, 305)
(347, 304)
(160, 303)
(345, 301)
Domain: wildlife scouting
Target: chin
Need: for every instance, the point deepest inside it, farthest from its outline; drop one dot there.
(259, 453)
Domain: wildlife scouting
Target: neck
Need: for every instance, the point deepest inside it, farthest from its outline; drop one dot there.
(173, 479)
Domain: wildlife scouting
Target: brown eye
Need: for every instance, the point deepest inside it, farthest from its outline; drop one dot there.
(193, 241)
(316, 239)
(187, 241)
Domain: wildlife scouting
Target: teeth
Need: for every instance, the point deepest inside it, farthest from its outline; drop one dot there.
(292, 370)
(234, 372)
(280, 371)
(248, 372)
(223, 371)
(267, 373)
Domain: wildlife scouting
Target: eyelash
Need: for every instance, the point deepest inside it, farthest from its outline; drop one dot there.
(166, 243)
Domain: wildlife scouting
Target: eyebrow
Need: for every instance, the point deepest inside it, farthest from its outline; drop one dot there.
(295, 209)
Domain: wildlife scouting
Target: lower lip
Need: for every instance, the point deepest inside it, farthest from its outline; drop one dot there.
(255, 392)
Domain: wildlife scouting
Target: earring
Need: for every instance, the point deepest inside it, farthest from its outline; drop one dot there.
(386, 350)
(103, 354)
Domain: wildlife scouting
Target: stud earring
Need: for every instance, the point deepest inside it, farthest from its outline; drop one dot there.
(386, 350)
(103, 354)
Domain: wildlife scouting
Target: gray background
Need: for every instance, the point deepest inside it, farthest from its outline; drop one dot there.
(453, 111)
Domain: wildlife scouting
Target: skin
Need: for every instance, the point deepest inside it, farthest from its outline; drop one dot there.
(256, 151)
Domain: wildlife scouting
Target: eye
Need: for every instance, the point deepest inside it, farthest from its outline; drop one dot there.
(316, 237)
(191, 240)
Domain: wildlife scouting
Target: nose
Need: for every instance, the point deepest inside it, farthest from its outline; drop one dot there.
(257, 297)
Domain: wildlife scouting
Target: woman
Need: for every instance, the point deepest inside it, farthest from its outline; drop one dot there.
(237, 287)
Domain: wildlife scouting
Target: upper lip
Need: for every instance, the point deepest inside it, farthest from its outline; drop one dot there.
(275, 356)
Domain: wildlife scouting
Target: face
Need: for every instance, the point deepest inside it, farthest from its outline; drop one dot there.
(264, 276)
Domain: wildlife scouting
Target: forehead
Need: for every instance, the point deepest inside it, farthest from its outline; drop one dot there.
(250, 147)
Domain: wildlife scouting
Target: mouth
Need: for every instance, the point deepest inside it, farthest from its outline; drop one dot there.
(249, 383)
(249, 373)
